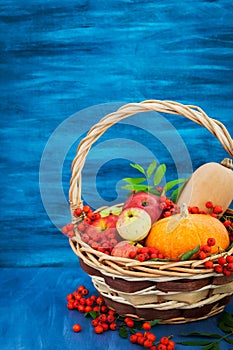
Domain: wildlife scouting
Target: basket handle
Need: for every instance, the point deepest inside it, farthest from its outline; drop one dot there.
(194, 113)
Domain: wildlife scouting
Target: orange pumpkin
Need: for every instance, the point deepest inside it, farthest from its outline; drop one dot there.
(181, 233)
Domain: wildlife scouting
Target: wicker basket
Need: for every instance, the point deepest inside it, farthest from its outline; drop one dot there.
(174, 292)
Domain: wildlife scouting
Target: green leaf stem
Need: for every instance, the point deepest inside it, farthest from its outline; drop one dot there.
(151, 168)
(159, 174)
(138, 167)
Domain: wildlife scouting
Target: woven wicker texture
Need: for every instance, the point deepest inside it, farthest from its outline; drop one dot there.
(161, 287)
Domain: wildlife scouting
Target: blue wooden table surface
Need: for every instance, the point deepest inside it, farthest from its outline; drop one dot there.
(59, 58)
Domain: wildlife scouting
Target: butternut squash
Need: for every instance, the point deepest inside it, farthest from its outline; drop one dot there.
(210, 182)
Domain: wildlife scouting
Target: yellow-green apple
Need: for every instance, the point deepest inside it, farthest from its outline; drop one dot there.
(133, 224)
(123, 249)
(147, 201)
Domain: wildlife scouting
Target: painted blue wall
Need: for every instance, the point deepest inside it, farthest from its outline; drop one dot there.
(60, 57)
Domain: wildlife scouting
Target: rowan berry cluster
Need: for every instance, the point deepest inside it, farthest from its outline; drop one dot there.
(99, 233)
(205, 249)
(147, 340)
(68, 230)
(225, 265)
(228, 223)
(105, 319)
(146, 253)
(168, 207)
(214, 210)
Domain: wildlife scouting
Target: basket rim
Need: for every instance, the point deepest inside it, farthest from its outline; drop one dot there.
(124, 267)
(192, 112)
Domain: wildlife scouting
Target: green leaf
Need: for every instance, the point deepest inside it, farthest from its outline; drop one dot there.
(123, 332)
(169, 185)
(226, 322)
(175, 194)
(154, 322)
(134, 180)
(136, 188)
(138, 167)
(93, 314)
(212, 346)
(151, 169)
(195, 342)
(189, 254)
(159, 174)
(202, 334)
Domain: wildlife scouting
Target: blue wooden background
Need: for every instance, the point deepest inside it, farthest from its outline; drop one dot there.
(58, 58)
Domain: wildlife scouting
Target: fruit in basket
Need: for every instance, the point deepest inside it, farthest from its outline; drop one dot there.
(178, 234)
(212, 183)
(124, 249)
(146, 201)
(133, 224)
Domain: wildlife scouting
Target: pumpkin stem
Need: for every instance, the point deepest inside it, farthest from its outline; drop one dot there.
(227, 162)
(184, 213)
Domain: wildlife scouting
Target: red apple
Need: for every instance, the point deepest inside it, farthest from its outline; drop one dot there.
(123, 249)
(133, 224)
(147, 201)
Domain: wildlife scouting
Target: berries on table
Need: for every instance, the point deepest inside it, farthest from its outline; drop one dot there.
(77, 328)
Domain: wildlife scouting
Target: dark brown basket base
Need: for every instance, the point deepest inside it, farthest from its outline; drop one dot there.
(172, 315)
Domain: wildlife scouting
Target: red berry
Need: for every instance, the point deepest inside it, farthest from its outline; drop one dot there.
(86, 209)
(150, 336)
(99, 300)
(88, 308)
(227, 223)
(70, 305)
(132, 254)
(205, 248)
(85, 291)
(70, 297)
(81, 227)
(133, 338)
(161, 347)
(218, 269)
(130, 323)
(217, 209)
(87, 221)
(209, 264)
(164, 340)
(141, 257)
(229, 259)
(81, 308)
(230, 266)
(146, 326)
(140, 340)
(194, 210)
(103, 318)
(105, 326)
(104, 309)
(98, 329)
(147, 343)
(80, 288)
(202, 255)
(226, 271)
(113, 326)
(211, 242)
(78, 212)
(209, 204)
(94, 322)
(91, 216)
(171, 345)
(222, 261)
(77, 328)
